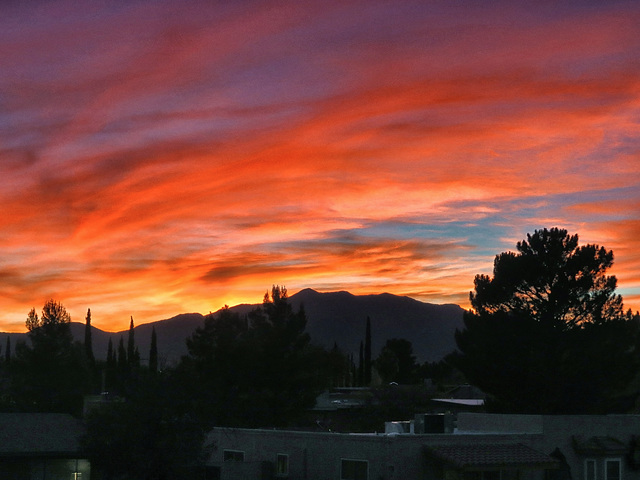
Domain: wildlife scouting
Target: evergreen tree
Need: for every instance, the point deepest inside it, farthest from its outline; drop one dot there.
(123, 365)
(338, 366)
(51, 373)
(361, 366)
(153, 435)
(131, 346)
(525, 341)
(354, 371)
(396, 362)
(88, 347)
(33, 321)
(7, 351)
(110, 355)
(111, 367)
(153, 352)
(367, 354)
(136, 358)
(260, 372)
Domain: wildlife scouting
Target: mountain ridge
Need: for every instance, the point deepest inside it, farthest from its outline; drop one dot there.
(332, 317)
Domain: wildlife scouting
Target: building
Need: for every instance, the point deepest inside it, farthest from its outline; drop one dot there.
(42, 446)
(479, 447)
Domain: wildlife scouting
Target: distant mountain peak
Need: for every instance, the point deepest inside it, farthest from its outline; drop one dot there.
(332, 317)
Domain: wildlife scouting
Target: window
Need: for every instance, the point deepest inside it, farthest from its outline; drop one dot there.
(613, 469)
(354, 469)
(282, 465)
(589, 469)
(233, 456)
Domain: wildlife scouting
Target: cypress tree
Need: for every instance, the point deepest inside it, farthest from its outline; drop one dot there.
(352, 371)
(131, 345)
(153, 352)
(7, 352)
(361, 366)
(367, 354)
(122, 358)
(136, 358)
(123, 372)
(88, 347)
(111, 359)
(111, 367)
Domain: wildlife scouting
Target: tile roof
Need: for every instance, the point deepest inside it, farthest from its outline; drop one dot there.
(477, 456)
(599, 446)
(39, 434)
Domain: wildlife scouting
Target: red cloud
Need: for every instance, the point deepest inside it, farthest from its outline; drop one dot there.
(160, 158)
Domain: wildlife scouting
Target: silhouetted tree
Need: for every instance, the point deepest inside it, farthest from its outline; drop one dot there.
(396, 362)
(51, 374)
(551, 280)
(151, 435)
(361, 366)
(525, 340)
(88, 346)
(123, 365)
(387, 365)
(136, 357)
(54, 314)
(133, 356)
(338, 367)
(7, 351)
(367, 354)
(153, 352)
(111, 367)
(258, 371)
(33, 321)
(354, 371)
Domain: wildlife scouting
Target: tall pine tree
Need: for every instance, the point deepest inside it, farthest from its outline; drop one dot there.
(111, 367)
(122, 359)
(361, 366)
(88, 347)
(153, 352)
(367, 354)
(131, 345)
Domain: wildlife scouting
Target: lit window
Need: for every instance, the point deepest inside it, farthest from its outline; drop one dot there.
(354, 470)
(589, 469)
(233, 456)
(282, 465)
(613, 469)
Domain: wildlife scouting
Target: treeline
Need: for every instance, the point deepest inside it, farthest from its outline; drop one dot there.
(52, 372)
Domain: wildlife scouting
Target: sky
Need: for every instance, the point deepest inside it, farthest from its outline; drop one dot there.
(163, 157)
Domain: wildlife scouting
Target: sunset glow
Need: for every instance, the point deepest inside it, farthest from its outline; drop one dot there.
(162, 157)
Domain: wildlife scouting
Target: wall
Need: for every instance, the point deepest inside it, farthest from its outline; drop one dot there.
(318, 455)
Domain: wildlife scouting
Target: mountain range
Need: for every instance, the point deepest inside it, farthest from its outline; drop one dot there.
(332, 318)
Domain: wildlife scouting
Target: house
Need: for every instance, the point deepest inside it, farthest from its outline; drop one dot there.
(43, 446)
(463, 398)
(481, 447)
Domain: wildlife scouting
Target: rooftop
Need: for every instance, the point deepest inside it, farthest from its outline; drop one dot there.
(47, 434)
(491, 456)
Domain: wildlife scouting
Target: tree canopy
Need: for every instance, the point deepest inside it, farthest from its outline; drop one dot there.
(50, 373)
(396, 362)
(547, 333)
(552, 280)
(257, 370)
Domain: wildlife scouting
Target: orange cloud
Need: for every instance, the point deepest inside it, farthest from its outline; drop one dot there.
(161, 158)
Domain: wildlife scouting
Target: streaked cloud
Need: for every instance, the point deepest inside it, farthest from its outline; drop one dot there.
(159, 158)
